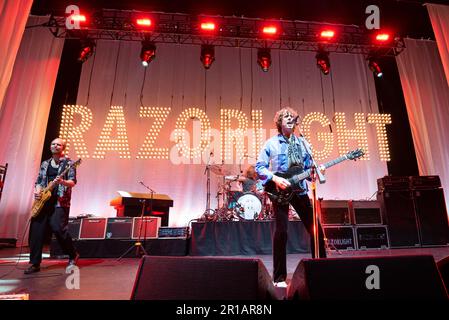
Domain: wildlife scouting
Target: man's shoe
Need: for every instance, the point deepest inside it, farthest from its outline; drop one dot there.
(32, 269)
(72, 262)
(281, 284)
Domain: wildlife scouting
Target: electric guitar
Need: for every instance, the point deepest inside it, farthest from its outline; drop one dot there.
(295, 175)
(38, 204)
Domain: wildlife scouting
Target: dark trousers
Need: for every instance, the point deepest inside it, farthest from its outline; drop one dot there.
(303, 206)
(57, 220)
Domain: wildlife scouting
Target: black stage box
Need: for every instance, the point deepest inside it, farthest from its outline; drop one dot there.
(372, 237)
(339, 237)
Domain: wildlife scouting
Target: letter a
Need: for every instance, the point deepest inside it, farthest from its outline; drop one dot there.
(373, 280)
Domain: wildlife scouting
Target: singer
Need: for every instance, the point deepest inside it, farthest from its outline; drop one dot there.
(283, 151)
(55, 214)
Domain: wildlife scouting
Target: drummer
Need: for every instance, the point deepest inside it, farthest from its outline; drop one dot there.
(249, 180)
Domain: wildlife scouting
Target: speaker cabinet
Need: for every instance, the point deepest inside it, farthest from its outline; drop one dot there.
(399, 211)
(367, 278)
(119, 228)
(334, 212)
(432, 216)
(93, 228)
(202, 278)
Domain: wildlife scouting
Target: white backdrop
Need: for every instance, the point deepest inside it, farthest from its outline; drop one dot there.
(426, 94)
(176, 79)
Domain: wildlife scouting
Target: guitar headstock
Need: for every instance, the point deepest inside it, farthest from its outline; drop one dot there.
(355, 154)
(76, 163)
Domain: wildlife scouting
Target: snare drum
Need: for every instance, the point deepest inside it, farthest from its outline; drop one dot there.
(249, 206)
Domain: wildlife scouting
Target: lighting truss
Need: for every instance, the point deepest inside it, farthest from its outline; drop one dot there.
(108, 24)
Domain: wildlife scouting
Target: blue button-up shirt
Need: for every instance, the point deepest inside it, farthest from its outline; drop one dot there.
(275, 152)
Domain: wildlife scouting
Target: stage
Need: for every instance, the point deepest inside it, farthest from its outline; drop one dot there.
(110, 279)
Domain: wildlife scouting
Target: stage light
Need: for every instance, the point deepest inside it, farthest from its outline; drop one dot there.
(327, 34)
(382, 37)
(143, 22)
(208, 26)
(148, 52)
(87, 49)
(270, 30)
(78, 17)
(207, 55)
(264, 58)
(373, 65)
(322, 61)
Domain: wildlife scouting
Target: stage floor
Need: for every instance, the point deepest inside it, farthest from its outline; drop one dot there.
(109, 279)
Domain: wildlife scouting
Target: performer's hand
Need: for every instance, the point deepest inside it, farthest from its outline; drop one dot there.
(281, 182)
(322, 169)
(59, 180)
(37, 194)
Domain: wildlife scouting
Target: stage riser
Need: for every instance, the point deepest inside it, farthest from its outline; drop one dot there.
(113, 248)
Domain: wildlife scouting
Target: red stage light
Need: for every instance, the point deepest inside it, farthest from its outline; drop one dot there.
(322, 62)
(208, 26)
(148, 52)
(270, 30)
(327, 34)
(382, 37)
(264, 59)
(144, 22)
(207, 55)
(87, 49)
(78, 17)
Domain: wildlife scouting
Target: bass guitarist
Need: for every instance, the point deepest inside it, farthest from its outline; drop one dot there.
(284, 151)
(55, 213)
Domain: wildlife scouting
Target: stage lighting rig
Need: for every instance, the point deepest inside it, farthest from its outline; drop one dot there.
(322, 61)
(148, 52)
(207, 55)
(264, 58)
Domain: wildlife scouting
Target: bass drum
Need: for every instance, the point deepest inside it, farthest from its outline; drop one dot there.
(249, 206)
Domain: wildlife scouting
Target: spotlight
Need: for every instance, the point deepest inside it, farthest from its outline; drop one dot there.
(148, 52)
(207, 55)
(264, 58)
(322, 61)
(373, 65)
(87, 48)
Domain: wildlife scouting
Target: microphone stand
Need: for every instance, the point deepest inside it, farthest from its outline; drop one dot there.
(140, 249)
(314, 174)
(207, 173)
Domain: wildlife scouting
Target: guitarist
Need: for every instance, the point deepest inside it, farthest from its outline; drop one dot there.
(55, 213)
(283, 151)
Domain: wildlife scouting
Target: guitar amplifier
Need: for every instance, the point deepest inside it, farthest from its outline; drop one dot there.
(372, 237)
(74, 227)
(339, 238)
(146, 227)
(366, 212)
(334, 212)
(93, 228)
(425, 182)
(119, 228)
(391, 183)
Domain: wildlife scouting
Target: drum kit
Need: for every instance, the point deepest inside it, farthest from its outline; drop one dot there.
(236, 204)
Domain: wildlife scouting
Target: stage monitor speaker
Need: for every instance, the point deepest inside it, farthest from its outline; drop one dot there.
(443, 267)
(202, 278)
(368, 278)
(400, 217)
(432, 216)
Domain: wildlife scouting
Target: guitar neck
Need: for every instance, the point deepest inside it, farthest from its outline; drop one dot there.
(308, 172)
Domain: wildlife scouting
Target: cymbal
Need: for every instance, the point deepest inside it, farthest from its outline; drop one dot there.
(231, 178)
(219, 170)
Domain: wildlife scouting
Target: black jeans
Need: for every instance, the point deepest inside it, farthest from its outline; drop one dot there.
(303, 206)
(57, 220)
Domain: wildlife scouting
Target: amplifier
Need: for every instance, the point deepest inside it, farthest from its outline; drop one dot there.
(339, 238)
(173, 232)
(334, 212)
(425, 182)
(366, 212)
(390, 183)
(74, 227)
(146, 227)
(372, 237)
(119, 228)
(93, 228)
